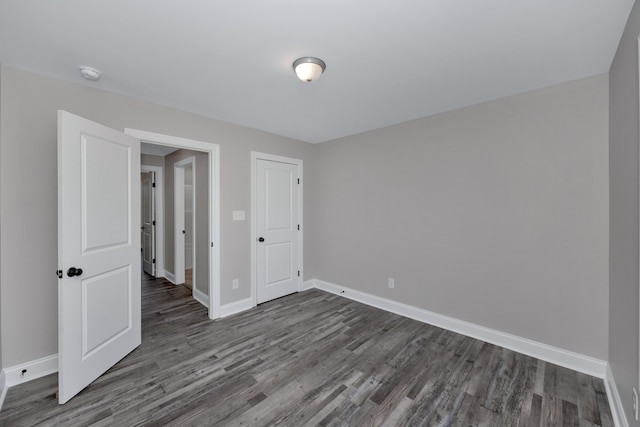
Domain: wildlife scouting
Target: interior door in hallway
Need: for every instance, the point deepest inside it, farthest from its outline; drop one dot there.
(277, 228)
(148, 223)
(98, 250)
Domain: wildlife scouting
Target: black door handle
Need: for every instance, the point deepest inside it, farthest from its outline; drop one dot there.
(260, 239)
(74, 272)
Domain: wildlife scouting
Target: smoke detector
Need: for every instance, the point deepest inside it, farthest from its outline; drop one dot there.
(90, 73)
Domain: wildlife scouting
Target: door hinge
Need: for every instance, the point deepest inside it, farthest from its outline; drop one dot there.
(298, 273)
(154, 261)
(153, 185)
(211, 244)
(59, 274)
(298, 227)
(153, 222)
(298, 180)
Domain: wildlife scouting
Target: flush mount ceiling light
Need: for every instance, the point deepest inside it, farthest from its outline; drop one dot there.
(308, 68)
(90, 73)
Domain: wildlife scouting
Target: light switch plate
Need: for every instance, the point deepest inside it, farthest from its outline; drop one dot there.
(238, 215)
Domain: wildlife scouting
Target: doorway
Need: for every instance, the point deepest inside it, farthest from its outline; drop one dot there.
(148, 212)
(187, 210)
(158, 219)
(211, 256)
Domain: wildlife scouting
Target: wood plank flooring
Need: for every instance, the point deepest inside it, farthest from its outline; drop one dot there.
(311, 358)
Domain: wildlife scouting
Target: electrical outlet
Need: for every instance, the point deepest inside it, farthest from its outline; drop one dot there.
(635, 404)
(392, 283)
(235, 284)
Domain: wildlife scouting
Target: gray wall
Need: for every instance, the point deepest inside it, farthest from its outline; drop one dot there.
(623, 165)
(494, 214)
(28, 219)
(150, 160)
(202, 216)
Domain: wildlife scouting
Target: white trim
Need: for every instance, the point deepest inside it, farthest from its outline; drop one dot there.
(558, 356)
(255, 156)
(308, 284)
(3, 388)
(617, 410)
(169, 276)
(252, 287)
(637, 386)
(214, 229)
(214, 204)
(200, 296)
(35, 369)
(236, 307)
(159, 206)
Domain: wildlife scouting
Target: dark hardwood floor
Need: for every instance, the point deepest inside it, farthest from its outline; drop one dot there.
(311, 358)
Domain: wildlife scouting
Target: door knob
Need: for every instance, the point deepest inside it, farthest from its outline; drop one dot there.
(260, 239)
(74, 272)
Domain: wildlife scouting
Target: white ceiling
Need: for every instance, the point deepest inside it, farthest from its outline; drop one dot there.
(387, 61)
(156, 150)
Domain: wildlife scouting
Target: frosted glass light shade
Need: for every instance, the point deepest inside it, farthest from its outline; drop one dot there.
(309, 69)
(89, 73)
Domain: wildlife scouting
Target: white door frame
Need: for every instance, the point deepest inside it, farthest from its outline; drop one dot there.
(213, 150)
(638, 320)
(159, 209)
(179, 218)
(255, 156)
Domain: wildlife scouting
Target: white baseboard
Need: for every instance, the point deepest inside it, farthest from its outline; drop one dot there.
(617, 411)
(558, 356)
(34, 369)
(3, 388)
(236, 307)
(170, 276)
(308, 284)
(201, 297)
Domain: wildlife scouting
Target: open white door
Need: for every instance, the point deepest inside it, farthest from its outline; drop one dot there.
(148, 223)
(98, 250)
(277, 228)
